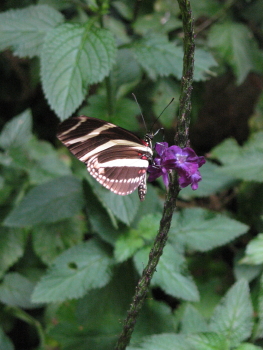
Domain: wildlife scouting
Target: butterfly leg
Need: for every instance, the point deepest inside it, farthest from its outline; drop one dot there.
(142, 188)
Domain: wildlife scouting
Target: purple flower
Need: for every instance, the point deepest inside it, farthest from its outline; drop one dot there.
(183, 160)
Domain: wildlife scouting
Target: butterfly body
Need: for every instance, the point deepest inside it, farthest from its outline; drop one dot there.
(114, 156)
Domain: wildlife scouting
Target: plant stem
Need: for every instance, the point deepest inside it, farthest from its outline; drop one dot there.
(170, 202)
(181, 138)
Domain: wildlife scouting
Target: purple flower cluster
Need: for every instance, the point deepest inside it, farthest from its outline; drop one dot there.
(183, 160)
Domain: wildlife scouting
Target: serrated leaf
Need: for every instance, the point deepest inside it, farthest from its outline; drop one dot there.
(233, 317)
(73, 57)
(52, 201)
(158, 56)
(79, 269)
(17, 132)
(203, 230)
(16, 290)
(50, 240)
(165, 341)
(12, 243)
(234, 43)
(24, 29)
(254, 251)
(192, 321)
(168, 275)
(5, 342)
(208, 341)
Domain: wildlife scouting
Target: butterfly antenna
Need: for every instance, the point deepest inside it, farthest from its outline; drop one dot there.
(140, 110)
(161, 113)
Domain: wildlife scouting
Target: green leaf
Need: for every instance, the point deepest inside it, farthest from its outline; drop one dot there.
(258, 332)
(168, 275)
(212, 182)
(247, 272)
(40, 160)
(125, 9)
(221, 152)
(74, 57)
(233, 317)
(127, 244)
(192, 321)
(125, 111)
(234, 42)
(166, 341)
(254, 251)
(203, 63)
(50, 240)
(117, 27)
(77, 270)
(126, 73)
(202, 230)
(205, 8)
(247, 161)
(248, 346)
(156, 317)
(17, 132)
(99, 218)
(24, 30)
(123, 207)
(97, 324)
(158, 56)
(163, 90)
(12, 244)
(16, 290)
(5, 342)
(156, 22)
(208, 341)
(52, 201)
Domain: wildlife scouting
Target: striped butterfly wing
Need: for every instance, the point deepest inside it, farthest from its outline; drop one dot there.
(115, 157)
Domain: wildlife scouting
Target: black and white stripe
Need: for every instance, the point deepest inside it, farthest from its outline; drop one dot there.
(114, 156)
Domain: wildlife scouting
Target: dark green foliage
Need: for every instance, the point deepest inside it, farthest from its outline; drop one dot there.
(71, 252)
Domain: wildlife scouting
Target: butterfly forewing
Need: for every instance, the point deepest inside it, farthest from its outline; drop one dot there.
(115, 157)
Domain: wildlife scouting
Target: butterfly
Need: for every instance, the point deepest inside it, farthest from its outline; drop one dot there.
(114, 156)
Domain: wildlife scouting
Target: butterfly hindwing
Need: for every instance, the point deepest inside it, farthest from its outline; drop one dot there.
(115, 157)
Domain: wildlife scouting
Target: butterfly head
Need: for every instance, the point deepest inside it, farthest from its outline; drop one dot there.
(148, 139)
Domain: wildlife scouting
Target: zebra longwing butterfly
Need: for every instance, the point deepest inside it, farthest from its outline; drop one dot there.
(114, 156)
